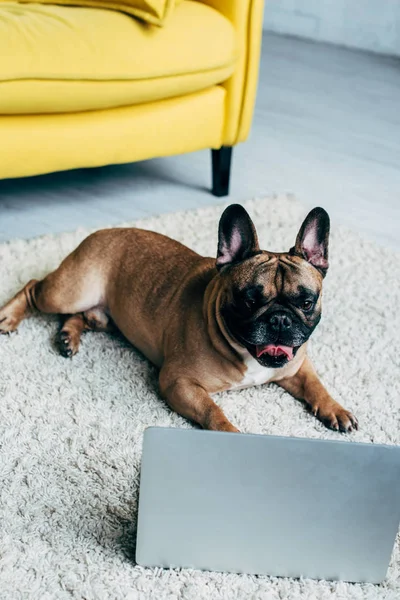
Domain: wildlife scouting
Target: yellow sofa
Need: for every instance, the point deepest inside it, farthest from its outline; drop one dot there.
(84, 87)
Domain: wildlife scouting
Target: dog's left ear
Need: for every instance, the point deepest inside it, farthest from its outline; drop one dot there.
(313, 238)
(237, 237)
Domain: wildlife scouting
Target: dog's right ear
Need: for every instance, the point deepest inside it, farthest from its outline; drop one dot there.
(237, 237)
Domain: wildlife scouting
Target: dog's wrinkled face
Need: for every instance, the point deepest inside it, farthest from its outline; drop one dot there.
(271, 302)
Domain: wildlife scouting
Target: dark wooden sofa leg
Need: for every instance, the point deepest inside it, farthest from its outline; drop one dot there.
(221, 170)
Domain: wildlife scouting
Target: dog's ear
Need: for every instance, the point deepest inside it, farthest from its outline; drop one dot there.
(237, 237)
(312, 239)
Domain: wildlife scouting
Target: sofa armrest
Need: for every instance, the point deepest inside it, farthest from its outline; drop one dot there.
(247, 18)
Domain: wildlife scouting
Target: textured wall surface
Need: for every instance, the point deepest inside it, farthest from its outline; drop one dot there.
(366, 24)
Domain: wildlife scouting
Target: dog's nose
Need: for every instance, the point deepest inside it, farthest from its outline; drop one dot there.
(280, 322)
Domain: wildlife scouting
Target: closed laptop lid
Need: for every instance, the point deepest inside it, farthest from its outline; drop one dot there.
(267, 505)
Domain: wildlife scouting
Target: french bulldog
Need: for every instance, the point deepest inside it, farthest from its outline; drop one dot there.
(208, 324)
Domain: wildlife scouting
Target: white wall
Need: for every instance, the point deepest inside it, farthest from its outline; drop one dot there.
(367, 24)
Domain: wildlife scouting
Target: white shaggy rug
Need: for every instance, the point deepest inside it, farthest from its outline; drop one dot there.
(71, 430)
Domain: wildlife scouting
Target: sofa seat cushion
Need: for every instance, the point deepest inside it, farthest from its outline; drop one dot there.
(68, 59)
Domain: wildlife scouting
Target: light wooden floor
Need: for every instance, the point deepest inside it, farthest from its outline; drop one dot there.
(326, 128)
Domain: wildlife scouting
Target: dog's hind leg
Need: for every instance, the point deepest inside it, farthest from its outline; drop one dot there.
(75, 287)
(19, 307)
(69, 336)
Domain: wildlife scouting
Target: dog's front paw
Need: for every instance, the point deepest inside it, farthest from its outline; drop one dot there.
(334, 416)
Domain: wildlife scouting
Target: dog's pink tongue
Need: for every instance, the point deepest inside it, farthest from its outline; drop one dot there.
(273, 350)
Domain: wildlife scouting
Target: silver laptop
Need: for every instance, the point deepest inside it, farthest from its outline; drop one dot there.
(267, 505)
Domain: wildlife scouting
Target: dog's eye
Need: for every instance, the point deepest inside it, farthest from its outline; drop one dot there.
(249, 298)
(250, 302)
(307, 305)
(245, 304)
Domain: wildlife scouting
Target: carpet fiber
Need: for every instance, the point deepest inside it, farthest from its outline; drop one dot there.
(71, 430)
